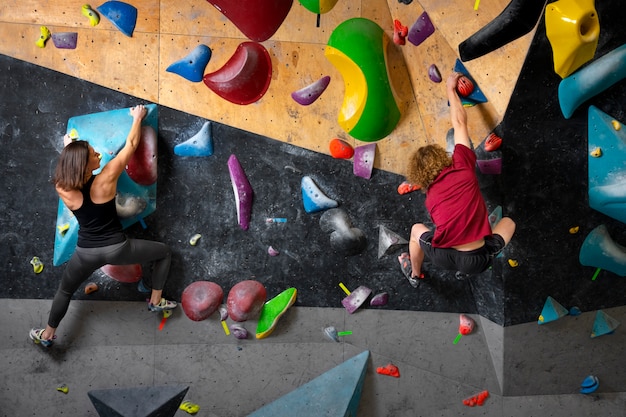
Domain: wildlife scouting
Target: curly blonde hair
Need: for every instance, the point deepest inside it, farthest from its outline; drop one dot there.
(426, 164)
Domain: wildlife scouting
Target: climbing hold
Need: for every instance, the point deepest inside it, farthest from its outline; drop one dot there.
(245, 77)
(65, 40)
(603, 324)
(311, 92)
(200, 299)
(464, 86)
(600, 251)
(476, 96)
(37, 264)
(122, 15)
(313, 198)
(363, 162)
(43, 37)
(341, 149)
(380, 299)
(573, 29)
(128, 205)
(492, 142)
(239, 331)
(574, 311)
(574, 230)
(389, 369)
(478, 399)
(399, 32)
(344, 238)
(189, 407)
(272, 252)
(272, 310)
(223, 310)
(245, 300)
(331, 333)
(495, 216)
(257, 19)
(194, 239)
(616, 125)
(142, 166)
(490, 166)
(406, 187)
(552, 310)
(92, 15)
(421, 29)
(192, 66)
(91, 288)
(64, 389)
(466, 324)
(123, 273)
(388, 241)
(358, 49)
(434, 74)
(594, 78)
(356, 298)
(318, 6)
(589, 384)
(243, 192)
(513, 263)
(200, 144)
(596, 153)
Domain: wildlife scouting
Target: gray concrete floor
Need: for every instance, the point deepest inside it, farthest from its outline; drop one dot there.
(529, 370)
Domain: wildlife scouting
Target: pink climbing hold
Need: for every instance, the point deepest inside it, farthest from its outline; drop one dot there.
(245, 300)
(466, 324)
(123, 273)
(142, 166)
(201, 299)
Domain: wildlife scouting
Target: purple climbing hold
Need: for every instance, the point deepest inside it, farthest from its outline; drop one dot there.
(421, 29)
(311, 92)
(65, 40)
(243, 192)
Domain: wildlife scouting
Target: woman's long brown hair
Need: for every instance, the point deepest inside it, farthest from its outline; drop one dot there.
(70, 171)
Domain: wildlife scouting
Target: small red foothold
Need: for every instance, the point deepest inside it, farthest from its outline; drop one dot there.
(492, 142)
(341, 149)
(399, 32)
(464, 86)
(478, 399)
(389, 369)
(407, 187)
(466, 325)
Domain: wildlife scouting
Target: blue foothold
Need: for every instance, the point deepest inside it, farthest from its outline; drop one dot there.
(193, 65)
(122, 15)
(589, 384)
(201, 144)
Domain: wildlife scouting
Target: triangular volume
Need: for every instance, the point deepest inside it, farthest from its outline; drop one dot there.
(138, 402)
(552, 310)
(336, 393)
(388, 241)
(603, 324)
(476, 96)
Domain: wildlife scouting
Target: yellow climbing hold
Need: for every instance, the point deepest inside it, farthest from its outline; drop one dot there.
(92, 15)
(63, 228)
(596, 153)
(43, 38)
(194, 239)
(64, 389)
(189, 407)
(37, 264)
(513, 263)
(574, 230)
(616, 125)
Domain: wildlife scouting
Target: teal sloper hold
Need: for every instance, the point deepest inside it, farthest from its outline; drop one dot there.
(606, 155)
(122, 15)
(552, 311)
(201, 144)
(603, 324)
(336, 393)
(313, 198)
(591, 80)
(600, 251)
(475, 96)
(193, 65)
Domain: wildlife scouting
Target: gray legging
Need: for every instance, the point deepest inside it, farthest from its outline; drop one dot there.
(85, 261)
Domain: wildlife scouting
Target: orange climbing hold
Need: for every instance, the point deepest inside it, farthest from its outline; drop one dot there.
(341, 149)
(399, 33)
(477, 399)
(407, 187)
(389, 369)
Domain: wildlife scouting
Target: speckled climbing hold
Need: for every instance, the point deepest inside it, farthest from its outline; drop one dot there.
(122, 15)
(421, 29)
(194, 239)
(478, 399)
(356, 299)
(142, 166)
(273, 310)
(65, 40)
(123, 273)
(466, 324)
(200, 144)
(43, 36)
(344, 238)
(363, 163)
(200, 299)
(313, 198)
(239, 331)
(311, 92)
(89, 13)
(242, 190)
(596, 153)
(245, 300)
(91, 288)
(341, 149)
(434, 74)
(380, 299)
(389, 370)
(192, 66)
(37, 265)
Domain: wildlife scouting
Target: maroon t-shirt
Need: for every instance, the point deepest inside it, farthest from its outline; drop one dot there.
(455, 204)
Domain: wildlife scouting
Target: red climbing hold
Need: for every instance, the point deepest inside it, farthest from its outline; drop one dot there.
(464, 86)
(492, 142)
(245, 300)
(389, 369)
(477, 399)
(341, 149)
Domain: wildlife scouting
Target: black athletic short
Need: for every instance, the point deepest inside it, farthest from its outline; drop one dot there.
(468, 262)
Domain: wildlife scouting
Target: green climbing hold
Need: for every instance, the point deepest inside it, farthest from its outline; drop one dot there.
(273, 310)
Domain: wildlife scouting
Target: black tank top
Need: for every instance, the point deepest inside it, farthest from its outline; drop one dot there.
(99, 224)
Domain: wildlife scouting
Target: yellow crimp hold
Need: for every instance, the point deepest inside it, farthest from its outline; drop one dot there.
(64, 389)
(91, 14)
(513, 263)
(37, 264)
(189, 407)
(596, 153)
(574, 230)
(73, 134)
(63, 228)
(194, 239)
(541, 319)
(616, 125)
(43, 38)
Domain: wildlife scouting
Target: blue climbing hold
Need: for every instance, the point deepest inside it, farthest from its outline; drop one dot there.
(201, 144)
(193, 65)
(313, 198)
(603, 324)
(122, 15)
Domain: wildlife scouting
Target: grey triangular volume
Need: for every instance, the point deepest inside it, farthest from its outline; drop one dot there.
(388, 241)
(336, 393)
(162, 401)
